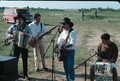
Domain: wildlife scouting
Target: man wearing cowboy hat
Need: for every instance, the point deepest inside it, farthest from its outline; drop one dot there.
(19, 27)
(67, 40)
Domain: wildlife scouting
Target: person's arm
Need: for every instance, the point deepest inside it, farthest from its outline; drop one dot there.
(59, 41)
(115, 55)
(68, 46)
(9, 32)
(99, 51)
(72, 40)
(31, 30)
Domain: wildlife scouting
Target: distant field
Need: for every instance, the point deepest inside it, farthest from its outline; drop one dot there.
(88, 29)
(106, 20)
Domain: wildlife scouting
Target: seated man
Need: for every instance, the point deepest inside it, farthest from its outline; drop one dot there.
(107, 52)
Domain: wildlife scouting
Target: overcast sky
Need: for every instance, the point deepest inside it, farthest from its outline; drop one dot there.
(62, 4)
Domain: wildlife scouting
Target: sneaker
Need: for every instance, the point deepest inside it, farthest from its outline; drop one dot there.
(26, 77)
(45, 68)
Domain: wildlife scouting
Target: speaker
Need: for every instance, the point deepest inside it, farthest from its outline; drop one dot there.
(8, 68)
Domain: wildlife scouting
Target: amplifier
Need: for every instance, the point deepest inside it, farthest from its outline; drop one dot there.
(8, 68)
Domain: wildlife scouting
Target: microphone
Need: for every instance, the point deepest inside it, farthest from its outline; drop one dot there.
(97, 53)
(60, 28)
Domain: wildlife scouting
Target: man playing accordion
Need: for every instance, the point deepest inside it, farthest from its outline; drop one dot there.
(107, 53)
(19, 28)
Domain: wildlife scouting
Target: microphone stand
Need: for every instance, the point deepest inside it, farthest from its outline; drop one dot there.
(52, 41)
(83, 63)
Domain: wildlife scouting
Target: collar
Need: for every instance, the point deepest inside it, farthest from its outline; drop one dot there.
(34, 23)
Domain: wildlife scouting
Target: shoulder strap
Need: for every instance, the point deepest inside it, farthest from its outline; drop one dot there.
(24, 27)
(41, 26)
(71, 29)
(69, 33)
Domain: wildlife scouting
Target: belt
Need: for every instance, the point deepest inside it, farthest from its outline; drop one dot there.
(70, 49)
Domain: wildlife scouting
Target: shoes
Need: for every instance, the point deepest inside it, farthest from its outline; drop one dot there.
(37, 69)
(26, 77)
(45, 68)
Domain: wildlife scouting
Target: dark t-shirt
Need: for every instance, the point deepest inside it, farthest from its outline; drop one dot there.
(108, 51)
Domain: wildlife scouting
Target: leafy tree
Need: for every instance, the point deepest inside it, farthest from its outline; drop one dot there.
(28, 7)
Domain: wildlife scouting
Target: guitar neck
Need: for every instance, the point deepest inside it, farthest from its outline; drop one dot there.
(46, 32)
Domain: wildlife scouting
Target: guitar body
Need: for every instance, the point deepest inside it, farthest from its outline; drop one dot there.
(62, 55)
(61, 52)
(32, 43)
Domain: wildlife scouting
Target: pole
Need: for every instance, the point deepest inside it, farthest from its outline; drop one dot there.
(85, 70)
(52, 41)
(53, 62)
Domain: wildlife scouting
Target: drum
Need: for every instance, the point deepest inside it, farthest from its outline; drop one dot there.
(23, 40)
(102, 67)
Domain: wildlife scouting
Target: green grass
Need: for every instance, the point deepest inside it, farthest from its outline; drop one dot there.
(106, 20)
(82, 53)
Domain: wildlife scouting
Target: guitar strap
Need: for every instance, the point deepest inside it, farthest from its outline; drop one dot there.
(69, 33)
(41, 26)
(62, 52)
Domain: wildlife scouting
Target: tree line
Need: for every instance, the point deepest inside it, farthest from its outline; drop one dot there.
(83, 9)
(99, 9)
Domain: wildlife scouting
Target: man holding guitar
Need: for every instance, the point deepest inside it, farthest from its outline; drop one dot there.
(67, 41)
(37, 29)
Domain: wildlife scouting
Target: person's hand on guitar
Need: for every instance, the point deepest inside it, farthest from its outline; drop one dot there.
(37, 35)
(56, 49)
(99, 58)
(49, 32)
(105, 60)
(20, 32)
(64, 42)
(62, 47)
(32, 41)
(12, 36)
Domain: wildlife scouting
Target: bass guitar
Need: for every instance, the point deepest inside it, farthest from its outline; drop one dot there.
(33, 43)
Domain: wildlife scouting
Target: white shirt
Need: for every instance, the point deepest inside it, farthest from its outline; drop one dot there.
(35, 29)
(71, 39)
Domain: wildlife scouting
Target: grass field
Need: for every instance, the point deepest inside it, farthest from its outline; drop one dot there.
(88, 30)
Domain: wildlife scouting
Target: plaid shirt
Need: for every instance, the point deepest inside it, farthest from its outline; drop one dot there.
(13, 29)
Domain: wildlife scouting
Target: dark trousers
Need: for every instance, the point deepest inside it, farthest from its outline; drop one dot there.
(17, 50)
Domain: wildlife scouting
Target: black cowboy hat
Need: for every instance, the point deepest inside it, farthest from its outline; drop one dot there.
(20, 16)
(71, 24)
(67, 20)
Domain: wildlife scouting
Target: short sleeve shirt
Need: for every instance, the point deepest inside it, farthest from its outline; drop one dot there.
(109, 51)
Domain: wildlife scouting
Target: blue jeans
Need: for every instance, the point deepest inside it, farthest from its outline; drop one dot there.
(69, 65)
